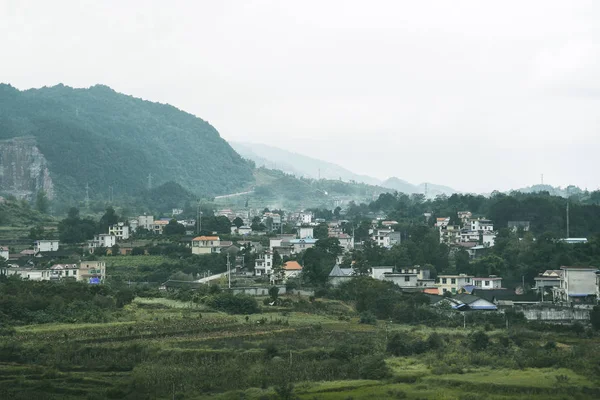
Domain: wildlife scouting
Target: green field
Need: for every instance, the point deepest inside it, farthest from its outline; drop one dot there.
(160, 348)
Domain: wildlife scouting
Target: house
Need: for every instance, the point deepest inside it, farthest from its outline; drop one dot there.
(577, 285)
(378, 272)
(386, 237)
(482, 225)
(302, 244)
(389, 223)
(574, 240)
(120, 231)
(272, 221)
(450, 234)
(159, 225)
(472, 303)
(423, 276)
(516, 225)
(101, 240)
(61, 271)
(464, 216)
(548, 280)
(45, 245)
(346, 241)
(340, 275)
(305, 217)
(452, 283)
(32, 274)
(4, 253)
(291, 269)
(492, 282)
(206, 245)
(144, 221)
(488, 238)
(93, 272)
(477, 251)
(263, 265)
(305, 232)
(402, 279)
(244, 230)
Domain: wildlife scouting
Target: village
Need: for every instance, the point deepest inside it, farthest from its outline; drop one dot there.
(259, 255)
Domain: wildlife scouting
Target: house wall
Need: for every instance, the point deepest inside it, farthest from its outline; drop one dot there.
(402, 280)
(580, 282)
(378, 272)
(46, 245)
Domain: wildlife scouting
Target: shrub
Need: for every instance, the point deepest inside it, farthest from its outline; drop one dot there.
(479, 341)
(368, 317)
(233, 304)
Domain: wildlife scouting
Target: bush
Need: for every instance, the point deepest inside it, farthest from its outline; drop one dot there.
(233, 304)
(479, 341)
(368, 317)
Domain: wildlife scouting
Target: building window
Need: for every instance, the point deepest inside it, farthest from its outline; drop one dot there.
(444, 280)
(453, 281)
(407, 279)
(453, 290)
(468, 280)
(487, 283)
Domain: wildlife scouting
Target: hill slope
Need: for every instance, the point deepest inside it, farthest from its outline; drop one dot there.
(67, 138)
(406, 187)
(297, 164)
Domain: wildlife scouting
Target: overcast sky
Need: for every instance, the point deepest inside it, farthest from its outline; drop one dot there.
(477, 95)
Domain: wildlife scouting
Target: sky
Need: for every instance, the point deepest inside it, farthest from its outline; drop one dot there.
(476, 95)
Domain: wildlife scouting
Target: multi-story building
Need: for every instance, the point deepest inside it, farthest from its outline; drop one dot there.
(577, 285)
(206, 245)
(120, 231)
(482, 225)
(453, 283)
(491, 282)
(272, 221)
(93, 272)
(61, 271)
(159, 225)
(145, 221)
(302, 244)
(45, 245)
(385, 237)
(101, 240)
(548, 280)
(305, 231)
(263, 265)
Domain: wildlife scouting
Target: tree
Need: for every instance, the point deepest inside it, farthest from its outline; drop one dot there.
(595, 318)
(109, 218)
(174, 228)
(238, 222)
(321, 231)
(317, 266)
(330, 245)
(336, 212)
(42, 204)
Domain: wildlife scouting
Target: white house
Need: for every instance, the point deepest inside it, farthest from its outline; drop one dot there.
(491, 282)
(120, 231)
(305, 217)
(263, 265)
(385, 237)
(291, 269)
(452, 283)
(482, 225)
(489, 238)
(206, 245)
(61, 271)
(31, 274)
(102, 240)
(45, 245)
(305, 232)
(577, 284)
(378, 272)
(146, 222)
(4, 252)
(404, 280)
(302, 244)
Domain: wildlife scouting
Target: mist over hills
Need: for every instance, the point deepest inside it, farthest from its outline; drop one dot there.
(305, 166)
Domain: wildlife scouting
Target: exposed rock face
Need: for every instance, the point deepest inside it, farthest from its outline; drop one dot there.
(23, 169)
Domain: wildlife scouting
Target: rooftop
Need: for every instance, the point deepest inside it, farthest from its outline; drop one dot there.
(292, 266)
(205, 238)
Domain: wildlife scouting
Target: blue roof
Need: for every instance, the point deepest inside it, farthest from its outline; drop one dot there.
(307, 240)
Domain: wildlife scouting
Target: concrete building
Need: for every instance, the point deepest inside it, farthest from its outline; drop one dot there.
(120, 231)
(482, 225)
(32, 274)
(61, 271)
(302, 244)
(491, 282)
(206, 245)
(291, 269)
(385, 237)
(45, 245)
(548, 280)
(92, 272)
(146, 222)
(305, 232)
(379, 271)
(453, 283)
(263, 265)
(402, 279)
(101, 240)
(577, 285)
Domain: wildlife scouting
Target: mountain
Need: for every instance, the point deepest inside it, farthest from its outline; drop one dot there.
(60, 139)
(403, 186)
(297, 164)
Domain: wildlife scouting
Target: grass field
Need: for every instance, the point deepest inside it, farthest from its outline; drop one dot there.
(164, 349)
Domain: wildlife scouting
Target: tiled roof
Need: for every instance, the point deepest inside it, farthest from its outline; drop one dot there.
(200, 238)
(292, 266)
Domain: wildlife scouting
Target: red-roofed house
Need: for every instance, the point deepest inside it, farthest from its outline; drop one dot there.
(291, 269)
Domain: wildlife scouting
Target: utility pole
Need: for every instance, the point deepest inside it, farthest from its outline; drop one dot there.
(568, 234)
(228, 271)
(87, 195)
(198, 218)
(464, 320)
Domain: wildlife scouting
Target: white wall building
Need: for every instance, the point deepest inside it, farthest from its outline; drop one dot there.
(120, 231)
(491, 282)
(453, 283)
(263, 265)
(576, 284)
(46, 245)
(102, 240)
(4, 253)
(305, 232)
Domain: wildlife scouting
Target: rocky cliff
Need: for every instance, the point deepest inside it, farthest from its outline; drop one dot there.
(23, 169)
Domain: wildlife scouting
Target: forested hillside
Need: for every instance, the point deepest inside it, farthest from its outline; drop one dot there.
(99, 137)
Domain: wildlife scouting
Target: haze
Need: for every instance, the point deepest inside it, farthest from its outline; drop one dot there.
(475, 95)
